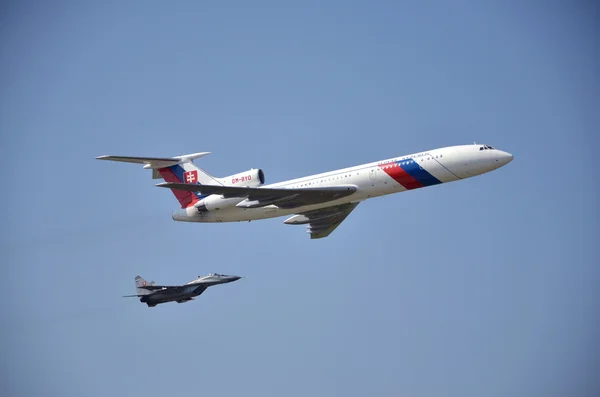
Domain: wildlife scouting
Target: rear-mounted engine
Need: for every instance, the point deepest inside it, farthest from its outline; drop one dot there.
(215, 202)
(250, 178)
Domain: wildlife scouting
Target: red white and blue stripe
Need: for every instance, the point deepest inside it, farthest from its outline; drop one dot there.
(409, 174)
(176, 173)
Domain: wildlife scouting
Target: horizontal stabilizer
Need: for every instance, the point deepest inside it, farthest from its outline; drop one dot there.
(155, 162)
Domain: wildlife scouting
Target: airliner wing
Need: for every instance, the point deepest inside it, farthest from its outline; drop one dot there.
(322, 222)
(260, 197)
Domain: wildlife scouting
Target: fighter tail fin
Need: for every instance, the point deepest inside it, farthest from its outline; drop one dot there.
(140, 282)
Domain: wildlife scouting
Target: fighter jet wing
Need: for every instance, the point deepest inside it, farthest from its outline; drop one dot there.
(260, 197)
(161, 287)
(198, 290)
(185, 300)
(322, 222)
(171, 288)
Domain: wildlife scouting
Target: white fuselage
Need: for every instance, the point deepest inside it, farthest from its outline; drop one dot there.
(375, 179)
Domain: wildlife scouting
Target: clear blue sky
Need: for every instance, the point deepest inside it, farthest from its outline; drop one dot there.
(484, 287)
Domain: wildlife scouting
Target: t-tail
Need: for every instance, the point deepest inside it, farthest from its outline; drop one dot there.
(174, 169)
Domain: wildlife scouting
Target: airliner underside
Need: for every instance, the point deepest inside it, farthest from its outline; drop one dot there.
(320, 201)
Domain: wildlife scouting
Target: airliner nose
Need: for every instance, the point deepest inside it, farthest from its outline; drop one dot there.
(505, 158)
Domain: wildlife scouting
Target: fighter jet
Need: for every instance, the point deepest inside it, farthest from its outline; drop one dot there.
(152, 294)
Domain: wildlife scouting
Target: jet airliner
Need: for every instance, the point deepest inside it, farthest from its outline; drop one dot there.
(320, 201)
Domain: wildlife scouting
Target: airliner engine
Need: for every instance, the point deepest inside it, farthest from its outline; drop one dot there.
(215, 202)
(250, 178)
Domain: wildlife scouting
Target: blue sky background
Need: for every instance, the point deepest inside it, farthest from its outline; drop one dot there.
(484, 287)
